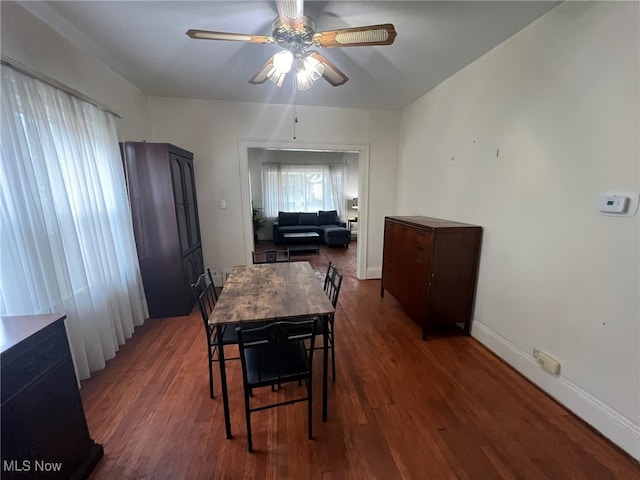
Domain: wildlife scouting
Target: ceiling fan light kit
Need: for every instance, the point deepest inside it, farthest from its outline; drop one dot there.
(295, 32)
(282, 61)
(309, 70)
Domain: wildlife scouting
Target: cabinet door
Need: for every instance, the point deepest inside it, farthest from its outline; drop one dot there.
(189, 267)
(193, 266)
(388, 256)
(392, 260)
(198, 262)
(405, 263)
(177, 178)
(191, 204)
(423, 253)
(455, 272)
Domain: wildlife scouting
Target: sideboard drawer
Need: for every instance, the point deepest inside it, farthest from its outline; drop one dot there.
(25, 368)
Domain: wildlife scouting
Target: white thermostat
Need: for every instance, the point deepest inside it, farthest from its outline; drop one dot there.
(618, 203)
(613, 204)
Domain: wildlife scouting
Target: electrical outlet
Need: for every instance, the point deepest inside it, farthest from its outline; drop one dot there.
(547, 362)
(225, 275)
(217, 275)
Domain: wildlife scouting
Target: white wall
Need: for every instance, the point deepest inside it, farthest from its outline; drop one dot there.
(521, 142)
(212, 131)
(36, 45)
(352, 190)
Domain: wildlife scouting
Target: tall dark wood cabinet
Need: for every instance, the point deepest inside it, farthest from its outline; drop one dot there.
(44, 429)
(162, 193)
(431, 267)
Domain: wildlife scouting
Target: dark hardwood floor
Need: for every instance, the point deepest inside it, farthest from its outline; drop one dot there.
(401, 408)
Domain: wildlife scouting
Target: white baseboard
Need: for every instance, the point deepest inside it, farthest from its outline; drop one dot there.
(616, 427)
(374, 273)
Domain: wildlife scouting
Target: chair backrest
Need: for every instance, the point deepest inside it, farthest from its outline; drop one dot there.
(271, 256)
(205, 294)
(276, 353)
(332, 284)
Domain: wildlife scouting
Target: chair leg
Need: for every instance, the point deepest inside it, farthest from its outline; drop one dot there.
(333, 361)
(247, 413)
(210, 376)
(333, 354)
(310, 408)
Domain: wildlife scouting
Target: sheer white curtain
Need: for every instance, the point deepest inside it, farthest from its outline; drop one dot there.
(271, 190)
(66, 235)
(336, 189)
(302, 188)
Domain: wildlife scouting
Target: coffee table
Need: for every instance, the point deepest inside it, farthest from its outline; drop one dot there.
(303, 241)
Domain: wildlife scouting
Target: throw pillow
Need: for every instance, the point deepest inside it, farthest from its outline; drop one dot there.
(286, 219)
(327, 217)
(307, 219)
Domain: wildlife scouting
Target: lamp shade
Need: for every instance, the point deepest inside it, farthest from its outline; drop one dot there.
(282, 61)
(309, 70)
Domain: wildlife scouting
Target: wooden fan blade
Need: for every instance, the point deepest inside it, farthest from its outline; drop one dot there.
(383, 34)
(331, 73)
(233, 37)
(263, 74)
(291, 13)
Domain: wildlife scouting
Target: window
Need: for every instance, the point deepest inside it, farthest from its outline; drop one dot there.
(302, 188)
(66, 240)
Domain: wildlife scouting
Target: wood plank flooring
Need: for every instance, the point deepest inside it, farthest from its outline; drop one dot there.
(401, 408)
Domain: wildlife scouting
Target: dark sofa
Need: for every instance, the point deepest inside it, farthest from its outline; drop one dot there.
(327, 223)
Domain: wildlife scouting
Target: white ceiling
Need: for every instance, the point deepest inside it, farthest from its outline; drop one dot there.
(145, 42)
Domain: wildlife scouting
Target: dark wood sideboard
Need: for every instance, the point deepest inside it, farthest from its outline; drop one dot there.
(44, 429)
(431, 267)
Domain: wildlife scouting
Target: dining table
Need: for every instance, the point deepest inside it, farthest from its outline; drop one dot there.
(270, 292)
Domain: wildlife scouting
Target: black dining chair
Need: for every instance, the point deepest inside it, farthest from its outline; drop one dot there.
(206, 297)
(271, 256)
(332, 284)
(273, 355)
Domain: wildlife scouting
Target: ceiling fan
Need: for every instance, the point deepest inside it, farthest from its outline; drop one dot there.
(295, 32)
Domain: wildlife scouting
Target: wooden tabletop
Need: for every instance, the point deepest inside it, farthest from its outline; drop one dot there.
(271, 291)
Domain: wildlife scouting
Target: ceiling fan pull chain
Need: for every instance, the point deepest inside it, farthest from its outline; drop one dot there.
(295, 108)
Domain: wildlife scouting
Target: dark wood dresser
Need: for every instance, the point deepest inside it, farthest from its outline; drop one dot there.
(431, 267)
(44, 430)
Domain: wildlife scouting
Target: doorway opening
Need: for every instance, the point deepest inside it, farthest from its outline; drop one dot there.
(355, 158)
